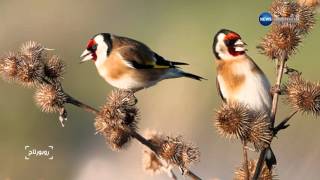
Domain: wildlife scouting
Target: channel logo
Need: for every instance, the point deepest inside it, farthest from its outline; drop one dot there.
(265, 18)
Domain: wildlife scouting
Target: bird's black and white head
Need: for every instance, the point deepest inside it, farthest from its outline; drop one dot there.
(227, 45)
(98, 48)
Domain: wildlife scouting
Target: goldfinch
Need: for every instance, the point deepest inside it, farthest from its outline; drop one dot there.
(238, 76)
(240, 79)
(129, 64)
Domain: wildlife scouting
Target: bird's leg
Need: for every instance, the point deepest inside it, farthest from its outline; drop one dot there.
(276, 89)
(131, 92)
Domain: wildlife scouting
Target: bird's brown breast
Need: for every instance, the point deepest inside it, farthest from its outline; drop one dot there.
(116, 68)
(233, 81)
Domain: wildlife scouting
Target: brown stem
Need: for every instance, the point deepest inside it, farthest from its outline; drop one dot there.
(245, 160)
(276, 94)
(79, 104)
(192, 175)
(134, 134)
(275, 99)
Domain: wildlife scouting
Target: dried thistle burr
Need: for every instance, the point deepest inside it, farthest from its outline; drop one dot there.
(260, 134)
(306, 19)
(233, 120)
(30, 70)
(303, 95)
(9, 67)
(280, 42)
(50, 98)
(33, 50)
(266, 174)
(117, 119)
(176, 152)
(283, 8)
(54, 68)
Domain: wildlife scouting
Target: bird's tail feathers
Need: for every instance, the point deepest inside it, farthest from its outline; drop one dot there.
(175, 63)
(176, 73)
(192, 76)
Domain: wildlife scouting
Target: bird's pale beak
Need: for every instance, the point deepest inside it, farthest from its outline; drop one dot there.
(86, 56)
(240, 46)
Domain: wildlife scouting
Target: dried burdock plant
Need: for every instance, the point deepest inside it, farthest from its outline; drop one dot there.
(9, 66)
(260, 134)
(237, 120)
(306, 19)
(54, 68)
(177, 152)
(50, 98)
(266, 174)
(283, 8)
(303, 95)
(291, 22)
(233, 120)
(33, 50)
(280, 42)
(117, 119)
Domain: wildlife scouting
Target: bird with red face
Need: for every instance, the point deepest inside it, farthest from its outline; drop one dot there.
(238, 76)
(129, 64)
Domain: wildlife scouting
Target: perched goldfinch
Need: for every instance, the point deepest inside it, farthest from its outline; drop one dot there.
(238, 77)
(129, 64)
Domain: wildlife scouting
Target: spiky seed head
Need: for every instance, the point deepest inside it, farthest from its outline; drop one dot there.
(306, 19)
(176, 152)
(233, 120)
(260, 133)
(9, 66)
(50, 98)
(266, 174)
(303, 95)
(280, 42)
(54, 68)
(30, 70)
(33, 50)
(117, 119)
(283, 8)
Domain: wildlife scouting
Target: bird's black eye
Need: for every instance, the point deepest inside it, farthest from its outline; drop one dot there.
(94, 47)
(230, 42)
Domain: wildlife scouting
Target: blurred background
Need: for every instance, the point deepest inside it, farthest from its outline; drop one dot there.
(179, 30)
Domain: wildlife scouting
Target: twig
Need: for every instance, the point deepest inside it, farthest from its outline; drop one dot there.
(79, 104)
(245, 160)
(272, 115)
(192, 175)
(134, 134)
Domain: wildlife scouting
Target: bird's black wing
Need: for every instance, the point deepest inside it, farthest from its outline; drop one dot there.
(219, 90)
(141, 57)
(163, 62)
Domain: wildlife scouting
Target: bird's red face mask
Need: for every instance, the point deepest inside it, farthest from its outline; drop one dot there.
(234, 43)
(90, 52)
